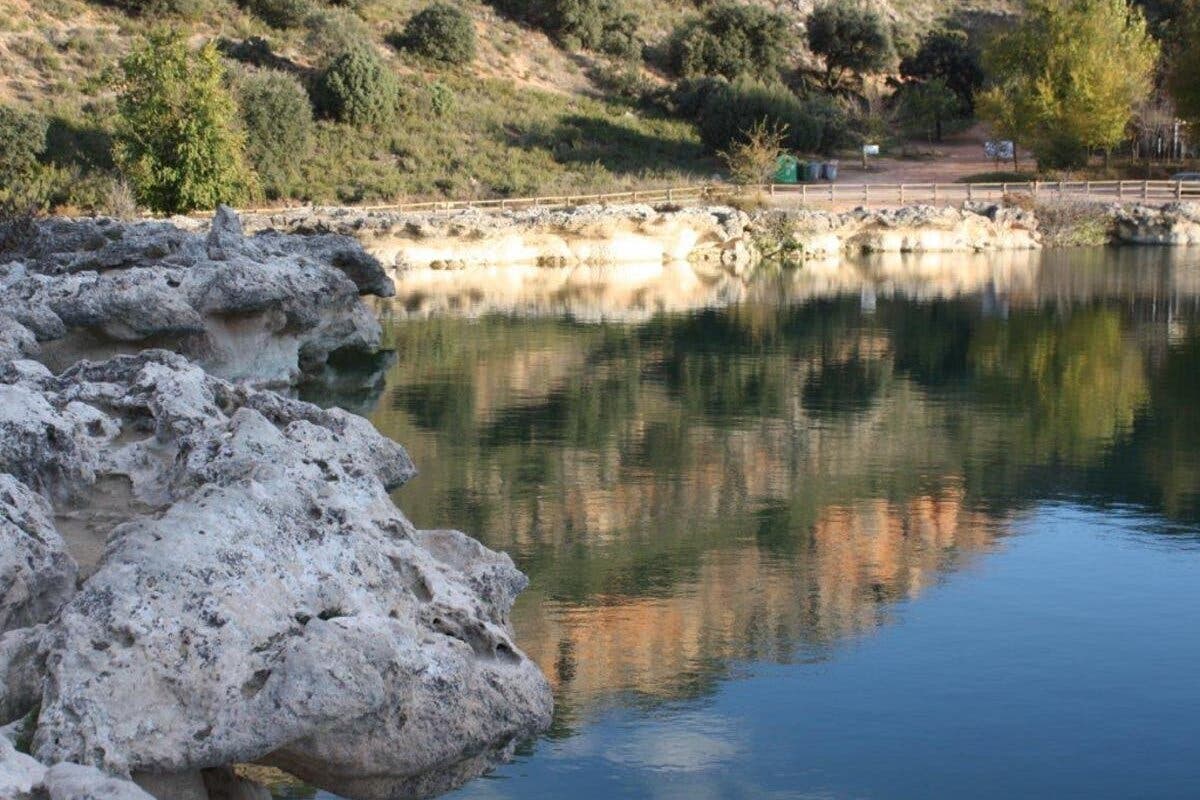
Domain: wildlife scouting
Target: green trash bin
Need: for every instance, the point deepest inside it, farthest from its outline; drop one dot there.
(786, 170)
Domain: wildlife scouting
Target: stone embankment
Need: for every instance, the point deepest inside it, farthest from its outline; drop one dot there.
(196, 573)
(1172, 224)
(599, 238)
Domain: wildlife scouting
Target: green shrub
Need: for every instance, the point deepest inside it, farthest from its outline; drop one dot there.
(189, 9)
(278, 121)
(357, 88)
(178, 140)
(728, 112)
(22, 142)
(280, 13)
(603, 25)
(441, 32)
(730, 40)
(24, 182)
(334, 31)
(850, 37)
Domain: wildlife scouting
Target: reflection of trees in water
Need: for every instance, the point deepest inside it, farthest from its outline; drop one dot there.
(690, 491)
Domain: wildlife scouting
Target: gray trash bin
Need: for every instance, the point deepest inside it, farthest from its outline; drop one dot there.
(812, 171)
(829, 170)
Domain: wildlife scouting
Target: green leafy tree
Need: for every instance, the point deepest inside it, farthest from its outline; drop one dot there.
(441, 32)
(731, 40)
(947, 55)
(851, 38)
(278, 119)
(178, 139)
(357, 88)
(927, 107)
(1066, 79)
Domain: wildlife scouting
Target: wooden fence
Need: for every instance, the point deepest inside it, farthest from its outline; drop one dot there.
(835, 194)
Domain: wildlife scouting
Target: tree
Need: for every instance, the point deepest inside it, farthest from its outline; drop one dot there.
(357, 88)
(731, 40)
(947, 55)
(850, 37)
(1067, 77)
(177, 139)
(441, 32)
(278, 119)
(927, 107)
(755, 156)
(1184, 74)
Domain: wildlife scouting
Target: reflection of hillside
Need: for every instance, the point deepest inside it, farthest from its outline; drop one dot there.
(747, 603)
(765, 480)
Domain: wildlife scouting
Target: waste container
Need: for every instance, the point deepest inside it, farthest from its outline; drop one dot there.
(801, 171)
(829, 170)
(785, 170)
(812, 171)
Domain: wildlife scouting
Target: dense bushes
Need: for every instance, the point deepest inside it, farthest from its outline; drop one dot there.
(22, 142)
(159, 8)
(280, 13)
(441, 32)
(178, 139)
(730, 40)
(602, 25)
(850, 37)
(947, 55)
(728, 111)
(357, 88)
(278, 120)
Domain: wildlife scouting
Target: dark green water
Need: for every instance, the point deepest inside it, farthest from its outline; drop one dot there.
(896, 530)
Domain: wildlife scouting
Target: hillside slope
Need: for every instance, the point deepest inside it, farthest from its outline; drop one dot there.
(526, 117)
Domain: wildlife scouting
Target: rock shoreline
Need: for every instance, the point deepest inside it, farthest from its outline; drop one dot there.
(196, 572)
(710, 238)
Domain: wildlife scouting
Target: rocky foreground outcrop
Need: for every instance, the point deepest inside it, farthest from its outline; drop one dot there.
(1171, 224)
(257, 597)
(265, 308)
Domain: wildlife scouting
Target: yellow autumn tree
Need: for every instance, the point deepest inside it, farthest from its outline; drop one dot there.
(1065, 80)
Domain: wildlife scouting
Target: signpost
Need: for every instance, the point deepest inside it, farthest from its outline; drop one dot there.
(869, 150)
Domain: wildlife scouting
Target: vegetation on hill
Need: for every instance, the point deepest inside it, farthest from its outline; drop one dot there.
(341, 101)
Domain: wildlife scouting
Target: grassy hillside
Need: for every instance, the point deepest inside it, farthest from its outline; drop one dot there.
(527, 116)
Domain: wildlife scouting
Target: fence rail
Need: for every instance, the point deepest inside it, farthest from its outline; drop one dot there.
(831, 193)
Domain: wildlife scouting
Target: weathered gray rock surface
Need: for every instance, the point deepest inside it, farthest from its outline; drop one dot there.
(1171, 224)
(262, 600)
(265, 307)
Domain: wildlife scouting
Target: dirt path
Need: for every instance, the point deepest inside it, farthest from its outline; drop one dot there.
(958, 156)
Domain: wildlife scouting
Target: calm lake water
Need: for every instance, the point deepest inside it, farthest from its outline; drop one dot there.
(898, 529)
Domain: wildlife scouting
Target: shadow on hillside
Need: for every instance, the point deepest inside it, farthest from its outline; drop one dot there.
(619, 148)
(70, 143)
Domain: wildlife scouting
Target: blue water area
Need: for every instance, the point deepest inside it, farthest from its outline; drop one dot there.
(895, 530)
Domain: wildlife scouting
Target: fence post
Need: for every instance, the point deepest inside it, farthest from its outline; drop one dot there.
(1145, 190)
(1003, 190)
(1120, 190)
(831, 197)
(1087, 190)
(772, 189)
(1178, 190)
(803, 194)
(866, 189)
(1035, 189)
(670, 195)
(970, 192)
(902, 194)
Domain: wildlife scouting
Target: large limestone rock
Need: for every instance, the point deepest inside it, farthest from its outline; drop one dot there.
(1171, 224)
(36, 574)
(265, 307)
(263, 599)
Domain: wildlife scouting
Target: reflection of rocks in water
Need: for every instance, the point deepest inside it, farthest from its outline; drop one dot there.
(350, 380)
(628, 291)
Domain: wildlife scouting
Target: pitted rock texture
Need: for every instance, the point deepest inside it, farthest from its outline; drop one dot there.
(37, 576)
(271, 604)
(1171, 224)
(265, 307)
